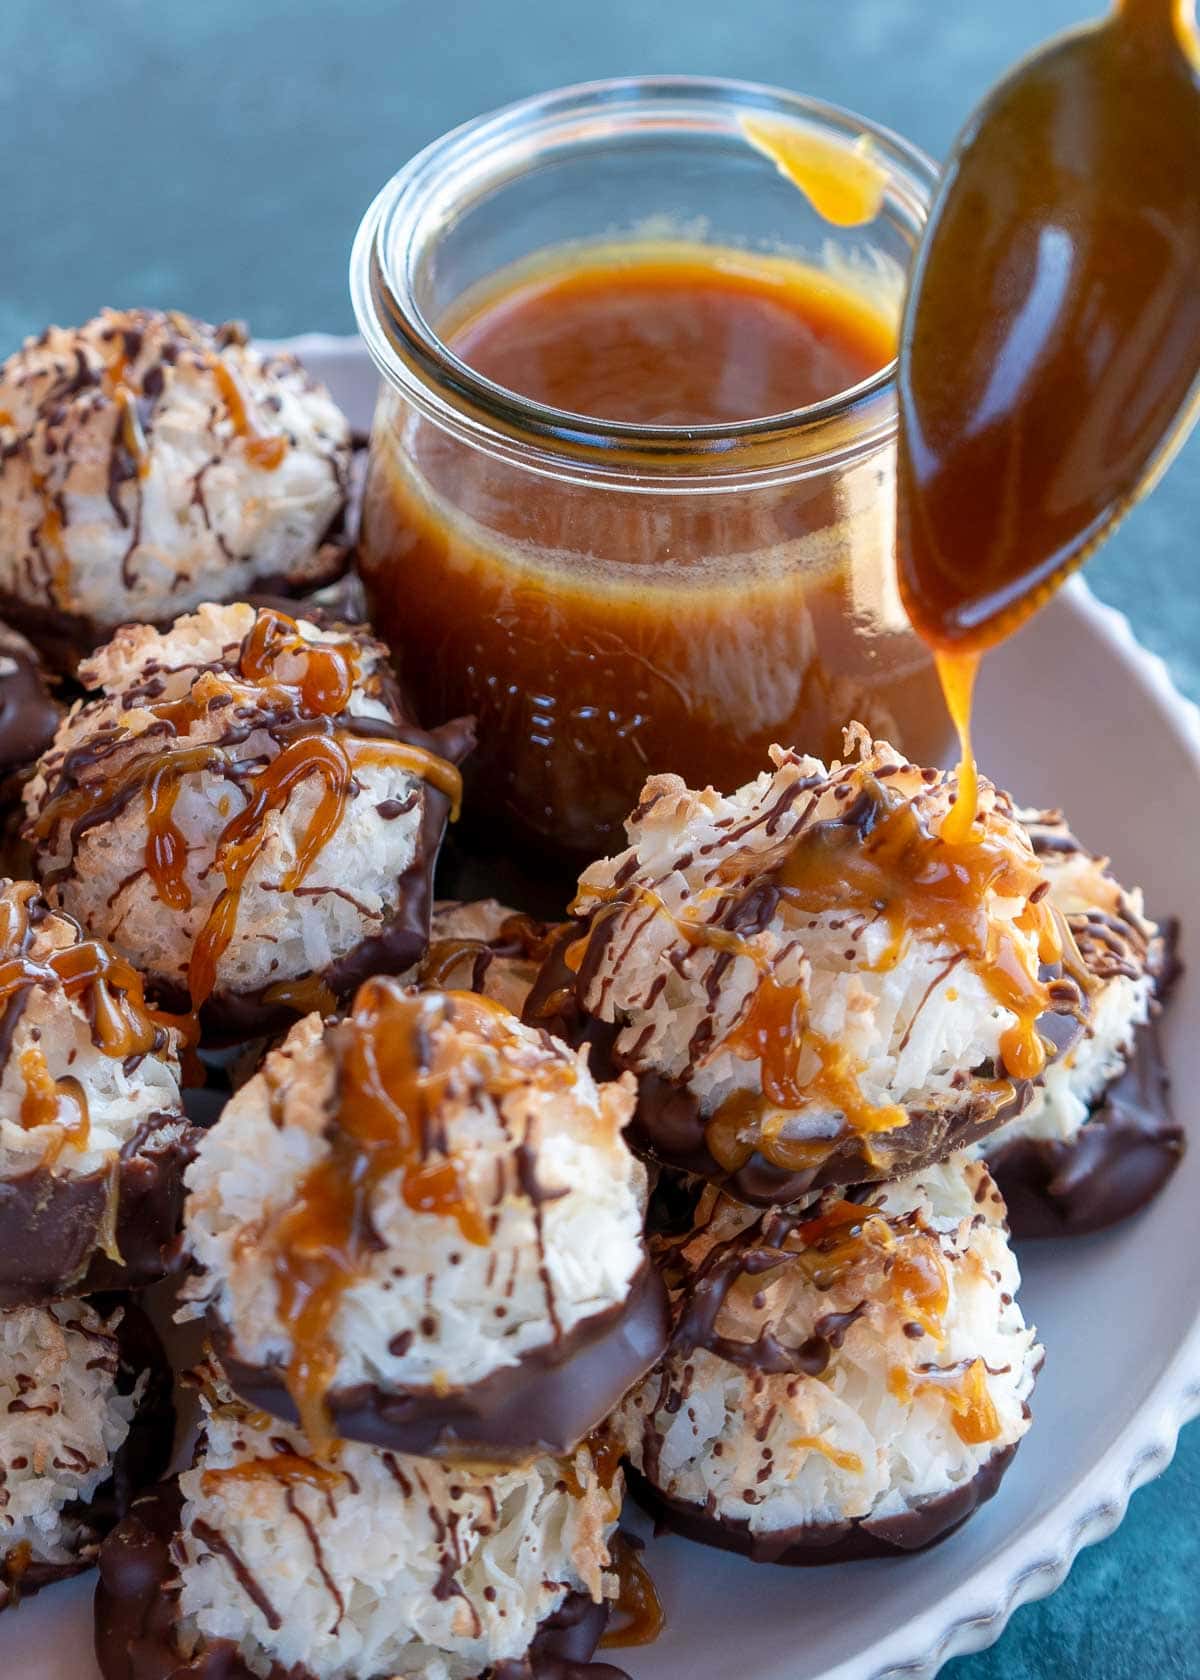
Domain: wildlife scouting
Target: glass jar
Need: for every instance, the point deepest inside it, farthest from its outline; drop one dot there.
(614, 600)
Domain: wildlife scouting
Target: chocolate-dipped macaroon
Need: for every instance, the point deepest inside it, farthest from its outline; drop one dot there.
(1098, 1141)
(271, 1558)
(845, 1380)
(149, 462)
(813, 985)
(85, 1423)
(245, 810)
(93, 1137)
(420, 1226)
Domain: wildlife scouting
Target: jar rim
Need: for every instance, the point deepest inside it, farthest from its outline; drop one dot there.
(490, 148)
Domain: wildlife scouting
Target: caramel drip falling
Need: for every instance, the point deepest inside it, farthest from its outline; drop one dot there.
(957, 672)
(1051, 338)
(393, 1065)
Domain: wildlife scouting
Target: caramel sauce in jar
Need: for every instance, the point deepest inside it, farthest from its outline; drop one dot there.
(609, 624)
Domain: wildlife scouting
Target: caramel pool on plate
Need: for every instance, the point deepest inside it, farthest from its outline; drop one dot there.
(610, 623)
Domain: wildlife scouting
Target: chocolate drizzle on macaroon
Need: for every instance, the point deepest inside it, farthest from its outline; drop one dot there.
(819, 1336)
(28, 712)
(142, 440)
(64, 1232)
(300, 695)
(853, 850)
(398, 1057)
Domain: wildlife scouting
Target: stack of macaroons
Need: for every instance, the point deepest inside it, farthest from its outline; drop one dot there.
(149, 462)
(245, 811)
(831, 1001)
(418, 1242)
(93, 1146)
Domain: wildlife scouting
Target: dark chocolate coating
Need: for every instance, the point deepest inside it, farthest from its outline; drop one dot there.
(141, 1459)
(669, 1128)
(546, 1403)
(136, 1611)
(28, 714)
(51, 1223)
(1116, 1164)
(925, 1524)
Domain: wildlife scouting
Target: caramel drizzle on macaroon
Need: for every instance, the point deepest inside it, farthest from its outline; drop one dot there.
(878, 860)
(110, 990)
(399, 1057)
(854, 1247)
(895, 1261)
(295, 690)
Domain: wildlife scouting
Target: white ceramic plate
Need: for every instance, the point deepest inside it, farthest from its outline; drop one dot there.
(1062, 708)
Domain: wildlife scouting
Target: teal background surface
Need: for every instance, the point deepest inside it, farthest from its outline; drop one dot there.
(215, 155)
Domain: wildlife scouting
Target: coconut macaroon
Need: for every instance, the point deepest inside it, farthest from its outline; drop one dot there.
(246, 812)
(93, 1138)
(85, 1420)
(1098, 1140)
(844, 1380)
(483, 946)
(271, 1557)
(813, 983)
(149, 462)
(420, 1226)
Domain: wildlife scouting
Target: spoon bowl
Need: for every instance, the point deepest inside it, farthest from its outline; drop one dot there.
(1050, 348)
